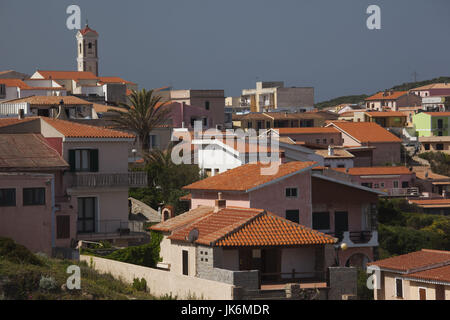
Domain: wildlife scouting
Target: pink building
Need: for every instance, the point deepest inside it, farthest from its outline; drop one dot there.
(95, 180)
(299, 195)
(395, 181)
(386, 147)
(312, 135)
(33, 209)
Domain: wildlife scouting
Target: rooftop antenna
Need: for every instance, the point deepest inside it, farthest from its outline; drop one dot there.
(415, 74)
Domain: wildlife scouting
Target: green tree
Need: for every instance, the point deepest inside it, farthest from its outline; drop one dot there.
(141, 116)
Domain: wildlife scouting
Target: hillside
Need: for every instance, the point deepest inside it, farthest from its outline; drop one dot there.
(355, 99)
(26, 276)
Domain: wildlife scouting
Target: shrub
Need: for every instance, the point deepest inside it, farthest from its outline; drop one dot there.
(11, 251)
(140, 285)
(145, 255)
(48, 284)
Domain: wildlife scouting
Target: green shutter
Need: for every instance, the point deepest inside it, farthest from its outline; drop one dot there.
(72, 160)
(94, 160)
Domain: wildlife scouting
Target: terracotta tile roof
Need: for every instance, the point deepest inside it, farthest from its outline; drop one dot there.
(14, 83)
(101, 108)
(67, 75)
(432, 203)
(415, 261)
(182, 220)
(390, 96)
(51, 100)
(337, 153)
(360, 171)
(113, 80)
(187, 197)
(77, 130)
(247, 177)
(308, 130)
(365, 131)
(5, 122)
(440, 274)
(438, 114)
(246, 227)
(86, 30)
(380, 114)
(28, 152)
(425, 173)
(433, 86)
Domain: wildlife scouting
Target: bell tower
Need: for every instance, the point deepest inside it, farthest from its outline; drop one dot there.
(87, 50)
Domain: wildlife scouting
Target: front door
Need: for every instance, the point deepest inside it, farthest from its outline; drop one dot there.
(270, 264)
(423, 293)
(340, 223)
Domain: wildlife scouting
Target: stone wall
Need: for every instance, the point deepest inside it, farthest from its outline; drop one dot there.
(342, 283)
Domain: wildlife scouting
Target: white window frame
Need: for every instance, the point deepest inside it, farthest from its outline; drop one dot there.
(396, 289)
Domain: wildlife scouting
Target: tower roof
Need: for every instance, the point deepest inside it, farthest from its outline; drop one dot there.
(86, 30)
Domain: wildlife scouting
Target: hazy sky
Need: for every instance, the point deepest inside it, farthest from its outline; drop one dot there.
(230, 44)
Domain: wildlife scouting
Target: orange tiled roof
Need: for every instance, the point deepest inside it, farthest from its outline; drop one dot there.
(100, 108)
(15, 83)
(440, 274)
(380, 95)
(366, 131)
(51, 100)
(438, 114)
(114, 80)
(246, 227)
(66, 75)
(5, 122)
(414, 261)
(182, 220)
(431, 202)
(247, 177)
(433, 86)
(380, 114)
(306, 130)
(28, 152)
(358, 171)
(86, 30)
(77, 130)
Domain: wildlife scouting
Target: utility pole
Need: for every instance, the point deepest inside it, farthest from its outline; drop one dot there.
(415, 74)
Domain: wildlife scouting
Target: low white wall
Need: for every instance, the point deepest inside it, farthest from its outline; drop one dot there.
(163, 282)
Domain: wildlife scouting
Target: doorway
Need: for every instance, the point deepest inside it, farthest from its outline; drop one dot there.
(340, 223)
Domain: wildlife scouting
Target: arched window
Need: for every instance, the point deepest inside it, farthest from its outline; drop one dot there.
(80, 47)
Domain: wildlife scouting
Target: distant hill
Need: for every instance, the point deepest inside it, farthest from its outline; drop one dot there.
(355, 99)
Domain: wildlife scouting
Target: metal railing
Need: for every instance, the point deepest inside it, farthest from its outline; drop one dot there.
(100, 180)
(115, 227)
(398, 192)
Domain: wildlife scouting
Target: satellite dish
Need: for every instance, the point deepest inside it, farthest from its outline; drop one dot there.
(193, 235)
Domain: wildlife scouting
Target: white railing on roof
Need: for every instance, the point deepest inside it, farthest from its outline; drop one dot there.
(12, 109)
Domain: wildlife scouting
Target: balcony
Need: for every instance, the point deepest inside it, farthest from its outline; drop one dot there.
(112, 229)
(404, 192)
(94, 180)
(354, 239)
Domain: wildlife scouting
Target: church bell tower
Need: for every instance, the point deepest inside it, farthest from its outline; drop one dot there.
(87, 50)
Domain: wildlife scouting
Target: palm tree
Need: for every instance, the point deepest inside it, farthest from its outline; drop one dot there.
(142, 115)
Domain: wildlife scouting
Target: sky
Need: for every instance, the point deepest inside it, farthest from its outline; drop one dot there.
(231, 44)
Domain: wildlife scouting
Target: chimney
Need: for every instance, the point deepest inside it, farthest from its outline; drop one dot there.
(220, 203)
(330, 150)
(167, 213)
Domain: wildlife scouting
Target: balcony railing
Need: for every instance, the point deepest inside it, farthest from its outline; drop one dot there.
(111, 228)
(365, 238)
(105, 180)
(403, 192)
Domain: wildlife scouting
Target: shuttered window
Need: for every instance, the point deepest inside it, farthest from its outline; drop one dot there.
(83, 160)
(7, 197)
(63, 227)
(33, 196)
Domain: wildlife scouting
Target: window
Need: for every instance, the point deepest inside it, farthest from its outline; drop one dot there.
(321, 220)
(291, 192)
(87, 212)
(376, 185)
(439, 146)
(293, 215)
(382, 184)
(324, 141)
(83, 160)
(341, 166)
(90, 45)
(63, 227)
(405, 184)
(33, 196)
(318, 141)
(208, 172)
(427, 146)
(7, 197)
(332, 140)
(395, 184)
(185, 258)
(399, 288)
(153, 141)
(367, 184)
(207, 105)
